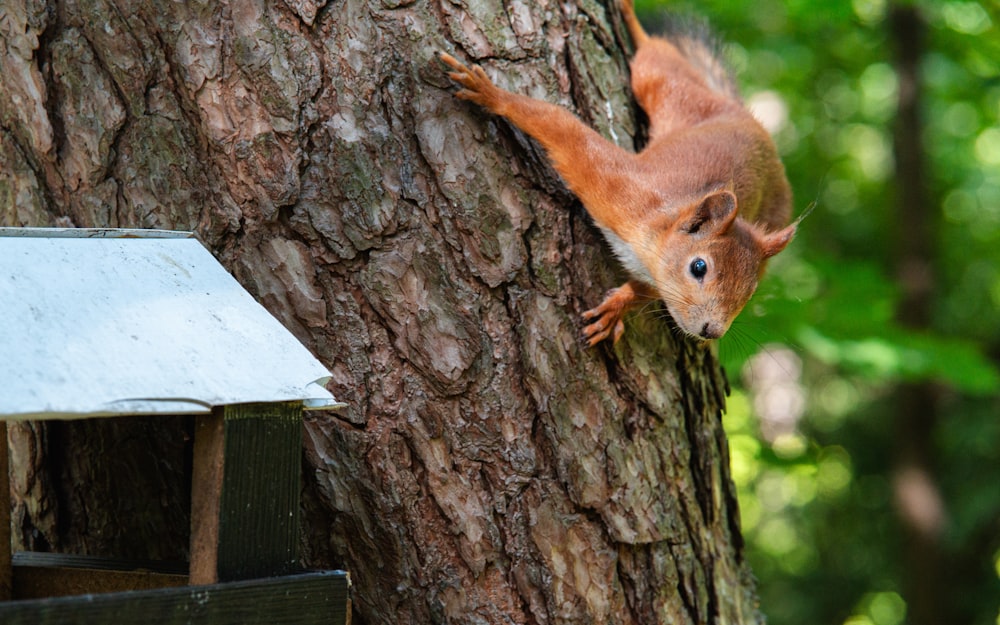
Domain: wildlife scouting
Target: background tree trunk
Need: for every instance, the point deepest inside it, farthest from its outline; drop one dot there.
(490, 469)
(920, 504)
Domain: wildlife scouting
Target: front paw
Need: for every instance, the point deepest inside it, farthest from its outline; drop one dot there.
(477, 85)
(606, 317)
(607, 324)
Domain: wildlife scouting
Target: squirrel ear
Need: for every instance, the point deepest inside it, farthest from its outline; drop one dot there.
(715, 213)
(774, 242)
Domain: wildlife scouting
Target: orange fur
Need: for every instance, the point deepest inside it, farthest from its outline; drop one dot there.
(708, 187)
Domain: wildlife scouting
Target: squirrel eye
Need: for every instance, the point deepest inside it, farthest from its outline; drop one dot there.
(698, 268)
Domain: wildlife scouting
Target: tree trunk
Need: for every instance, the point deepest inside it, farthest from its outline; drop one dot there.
(919, 502)
(490, 469)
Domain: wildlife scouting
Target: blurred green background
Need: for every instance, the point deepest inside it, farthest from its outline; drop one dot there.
(864, 422)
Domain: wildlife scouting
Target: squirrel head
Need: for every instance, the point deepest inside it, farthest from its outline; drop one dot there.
(710, 262)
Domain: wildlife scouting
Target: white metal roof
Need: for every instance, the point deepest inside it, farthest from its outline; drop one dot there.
(112, 322)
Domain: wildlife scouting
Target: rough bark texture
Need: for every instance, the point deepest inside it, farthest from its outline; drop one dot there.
(490, 469)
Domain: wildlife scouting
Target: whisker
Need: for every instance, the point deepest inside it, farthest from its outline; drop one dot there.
(762, 348)
(739, 342)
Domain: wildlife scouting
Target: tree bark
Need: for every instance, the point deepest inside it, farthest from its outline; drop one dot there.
(490, 469)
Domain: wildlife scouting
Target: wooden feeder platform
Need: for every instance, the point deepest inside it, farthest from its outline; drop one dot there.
(121, 323)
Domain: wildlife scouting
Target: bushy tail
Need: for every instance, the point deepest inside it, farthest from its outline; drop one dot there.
(699, 44)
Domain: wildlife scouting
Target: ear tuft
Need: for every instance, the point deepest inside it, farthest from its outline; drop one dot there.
(774, 242)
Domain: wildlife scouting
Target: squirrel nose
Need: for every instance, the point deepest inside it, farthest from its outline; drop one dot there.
(708, 332)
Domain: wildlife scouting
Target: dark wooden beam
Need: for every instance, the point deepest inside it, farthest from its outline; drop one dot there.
(305, 599)
(42, 575)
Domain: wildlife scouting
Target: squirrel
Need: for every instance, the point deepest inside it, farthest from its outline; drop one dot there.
(693, 216)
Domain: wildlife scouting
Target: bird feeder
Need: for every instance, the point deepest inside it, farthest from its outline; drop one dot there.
(123, 323)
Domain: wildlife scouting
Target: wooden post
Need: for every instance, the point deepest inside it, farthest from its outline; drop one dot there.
(206, 493)
(6, 567)
(245, 492)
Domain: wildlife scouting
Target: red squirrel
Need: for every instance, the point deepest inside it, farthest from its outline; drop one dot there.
(693, 216)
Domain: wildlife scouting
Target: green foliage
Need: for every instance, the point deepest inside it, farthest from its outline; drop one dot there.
(816, 497)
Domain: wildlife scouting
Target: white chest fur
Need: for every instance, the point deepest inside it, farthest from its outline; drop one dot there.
(628, 259)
